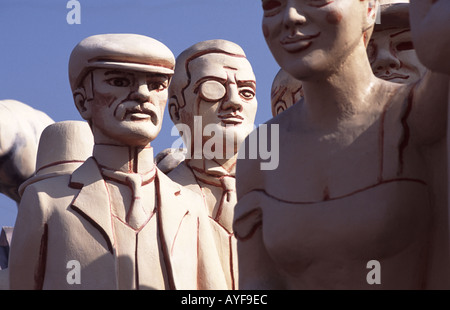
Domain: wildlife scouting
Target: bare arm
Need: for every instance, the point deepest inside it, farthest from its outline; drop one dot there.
(431, 33)
(428, 102)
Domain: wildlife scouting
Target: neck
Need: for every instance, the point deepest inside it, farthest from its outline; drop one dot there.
(341, 94)
(128, 159)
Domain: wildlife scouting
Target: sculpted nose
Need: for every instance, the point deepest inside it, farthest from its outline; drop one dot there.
(293, 18)
(232, 99)
(386, 61)
(140, 93)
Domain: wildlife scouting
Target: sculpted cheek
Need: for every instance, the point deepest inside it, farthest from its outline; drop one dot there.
(265, 30)
(334, 17)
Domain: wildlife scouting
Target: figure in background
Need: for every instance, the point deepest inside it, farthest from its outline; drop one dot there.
(168, 159)
(5, 241)
(20, 129)
(120, 220)
(286, 91)
(63, 147)
(212, 101)
(351, 186)
(391, 50)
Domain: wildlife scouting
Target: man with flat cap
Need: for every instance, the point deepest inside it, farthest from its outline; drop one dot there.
(116, 222)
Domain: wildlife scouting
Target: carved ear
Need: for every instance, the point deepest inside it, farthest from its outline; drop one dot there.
(372, 12)
(82, 103)
(174, 109)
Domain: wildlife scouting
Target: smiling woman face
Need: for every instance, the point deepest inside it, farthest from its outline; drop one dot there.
(310, 36)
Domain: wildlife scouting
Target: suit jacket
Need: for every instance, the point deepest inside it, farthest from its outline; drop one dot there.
(67, 218)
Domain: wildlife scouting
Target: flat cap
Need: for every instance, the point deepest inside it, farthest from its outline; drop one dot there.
(121, 51)
(394, 14)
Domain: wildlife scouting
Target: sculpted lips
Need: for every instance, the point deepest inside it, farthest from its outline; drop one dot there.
(231, 119)
(139, 113)
(298, 42)
(393, 77)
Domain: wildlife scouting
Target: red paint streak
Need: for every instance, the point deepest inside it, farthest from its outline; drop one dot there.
(197, 55)
(347, 195)
(199, 277)
(381, 142)
(42, 261)
(138, 230)
(164, 247)
(233, 285)
(220, 208)
(399, 33)
(130, 161)
(258, 224)
(178, 230)
(326, 194)
(98, 227)
(135, 160)
(110, 219)
(56, 163)
(136, 267)
(230, 68)
(406, 131)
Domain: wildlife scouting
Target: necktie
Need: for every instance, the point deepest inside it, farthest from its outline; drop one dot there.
(229, 199)
(137, 215)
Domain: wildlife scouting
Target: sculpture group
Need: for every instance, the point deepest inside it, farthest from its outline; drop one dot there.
(362, 171)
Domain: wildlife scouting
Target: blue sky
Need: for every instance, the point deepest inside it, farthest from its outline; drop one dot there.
(36, 42)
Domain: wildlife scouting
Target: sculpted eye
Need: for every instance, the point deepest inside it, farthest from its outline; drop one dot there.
(157, 86)
(405, 46)
(270, 5)
(212, 91)
(119, 82)
(247, 93)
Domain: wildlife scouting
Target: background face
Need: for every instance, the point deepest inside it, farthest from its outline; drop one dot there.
(392, 56)
(128, 106)
(308, 37)
(223, 93)
(43, 53)
(429, 23)
(286, 91)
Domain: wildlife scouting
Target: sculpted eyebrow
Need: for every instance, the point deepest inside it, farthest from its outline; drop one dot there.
(250, 83)
(114, 72)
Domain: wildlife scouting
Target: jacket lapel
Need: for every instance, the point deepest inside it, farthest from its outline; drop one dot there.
(92, 202)
(174, 216)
